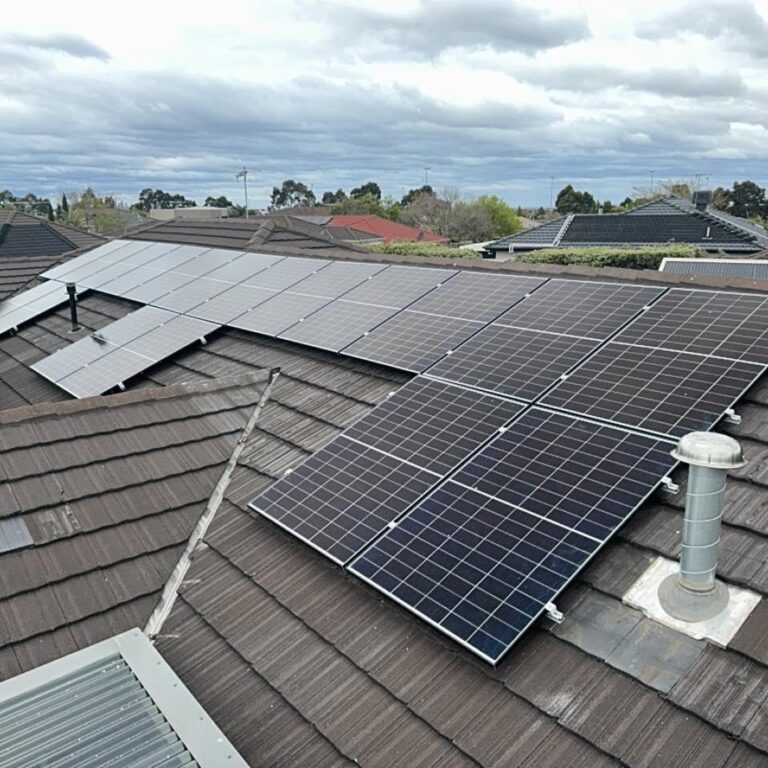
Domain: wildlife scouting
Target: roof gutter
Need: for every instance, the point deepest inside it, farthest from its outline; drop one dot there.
(171, 589)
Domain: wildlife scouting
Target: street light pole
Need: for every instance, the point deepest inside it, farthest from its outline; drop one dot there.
(244, 176)
(427, 169)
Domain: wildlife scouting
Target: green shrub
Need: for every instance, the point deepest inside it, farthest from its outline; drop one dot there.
(644, 257)
(409, 248)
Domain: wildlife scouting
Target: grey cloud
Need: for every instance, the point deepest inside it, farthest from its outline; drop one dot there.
(736, 23)
(437, 25)
(70, 44)
(689, 83)
(189, 134)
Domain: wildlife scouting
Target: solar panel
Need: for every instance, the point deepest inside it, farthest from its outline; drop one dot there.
(245, 266)
(343, 496)
(733, 325)
(278, 313)
(412, 341)
(397, 287)
(337, 325)
(475, 568)
(167, 256)
(174, 334)
(482, 555)
(31, 303)
(86, 273)
(191, 294)
(337, 278)
(158, 286)
(231, 303)
(285, 273)
(120, 350)
(129, 281)
(580, 308)
(512, 361)
(104, 373)
(433, 424)
(101, 253)
(476, 296)
(659, 390)
(206, 262)
(580, 474)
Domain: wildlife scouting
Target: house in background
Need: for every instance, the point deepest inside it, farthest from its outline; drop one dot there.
(29, 245)
(384, 229)
(659, 222)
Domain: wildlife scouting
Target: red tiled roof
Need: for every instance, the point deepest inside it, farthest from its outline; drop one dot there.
(386, 229)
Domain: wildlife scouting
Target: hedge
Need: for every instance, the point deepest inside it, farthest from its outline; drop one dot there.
(644, 257)
(409, 248)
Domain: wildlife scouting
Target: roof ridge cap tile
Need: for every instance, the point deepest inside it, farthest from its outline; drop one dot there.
(141, 395)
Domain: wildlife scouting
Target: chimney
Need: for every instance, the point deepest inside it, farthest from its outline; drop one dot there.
(693, 593)
(701, 199)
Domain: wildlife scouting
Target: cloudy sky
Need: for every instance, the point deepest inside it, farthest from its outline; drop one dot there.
(493, 96)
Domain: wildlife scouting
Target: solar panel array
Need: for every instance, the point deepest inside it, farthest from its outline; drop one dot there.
(472, 496)
(537, 341)
(27, 306)
(99, 362)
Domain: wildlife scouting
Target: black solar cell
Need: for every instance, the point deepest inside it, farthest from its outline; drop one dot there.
(594, 310)
(733, 325)
(476, 568)
(412, 340)
(433, 424)
(512, 361)
(668, 392)
(577, 473)
(343, 496)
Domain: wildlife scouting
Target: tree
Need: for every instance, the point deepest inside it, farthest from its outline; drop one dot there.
(152, 199)
(291, 194)
(217, 202)
(64, 205)
(503, 219)
(570, 200)
(371, 188)
(412, 194)
(333, 198)
(745, 199)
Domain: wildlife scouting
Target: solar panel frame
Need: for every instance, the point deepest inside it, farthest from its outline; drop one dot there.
(278, 313)
(516, 362)
(658, 390)
(33, 302)
(477, 569)
(234, 301)
(432, 424)
(190, 295)
(337, 325)
(412, 341)
(156, 287)
(580, 308)
(397, 286)
(67, 360)
(476, 295)
(355, 493)
(712, 323)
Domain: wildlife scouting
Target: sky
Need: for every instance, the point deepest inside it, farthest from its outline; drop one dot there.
(487, 96)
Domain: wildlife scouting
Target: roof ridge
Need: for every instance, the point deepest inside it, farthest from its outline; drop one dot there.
(142, 395)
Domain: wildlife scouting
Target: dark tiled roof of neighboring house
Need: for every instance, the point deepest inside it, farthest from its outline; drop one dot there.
(278, 233)
(30, 245)
(657, 222)
(300, 664)
(385, 229)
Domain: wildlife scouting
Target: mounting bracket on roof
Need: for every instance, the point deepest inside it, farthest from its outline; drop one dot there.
(203, 340)
(731, 417)
(669, 487)
(553, 613)
(98, 337)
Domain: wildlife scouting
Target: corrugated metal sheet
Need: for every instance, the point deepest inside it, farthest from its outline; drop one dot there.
(113, 704)
(96, 716)
(747, 268)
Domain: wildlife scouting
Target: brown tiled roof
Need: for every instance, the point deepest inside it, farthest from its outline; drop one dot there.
(300, 664)
(278, 233)
(30, 245)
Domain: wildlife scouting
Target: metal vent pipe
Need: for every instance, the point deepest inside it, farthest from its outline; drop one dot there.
(694, 594)
(72, 294)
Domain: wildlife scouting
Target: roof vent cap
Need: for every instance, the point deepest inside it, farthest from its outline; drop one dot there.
(709, 449)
